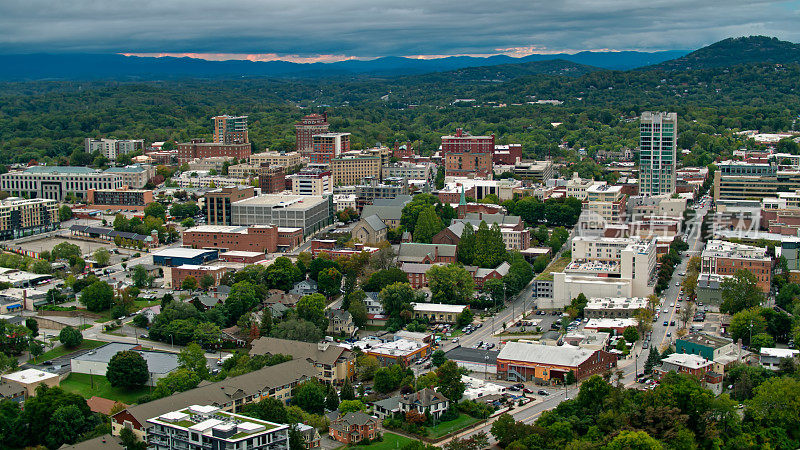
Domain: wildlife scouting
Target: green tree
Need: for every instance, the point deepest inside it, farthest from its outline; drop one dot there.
(634, 440)
(777, 404)
(282, 274)
(331, 399)
(312, 308)
(760, 341)
(351, 406)
(396, 298)
(127, 369)
(189, 283)
(438, 358)
(206, 281)
(382, 278)
(65, 426)
(466, 246)
(193, 359)
(490, 250)
(33, 325)
(653, 359)
(140, 277)
(70, 337)
(465, 318)
(64, 213)
(330, 282)
(359, 312)
(156, 210)
(178, 380)
(98, 296)
(310, 396)
(101, 257)
(36, 349)
(270, 409)
(450, 284)
(746, 323)
(428, 225)
(740, 292)
(450, 384)
(347, 393)
(298, 330)
(630, 334)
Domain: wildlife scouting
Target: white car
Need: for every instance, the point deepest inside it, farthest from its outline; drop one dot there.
(666, 310)
(672, 305)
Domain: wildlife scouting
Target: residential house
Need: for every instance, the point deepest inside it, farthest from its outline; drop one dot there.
(694, 365)
(370, 230)
(353, 427)
(305, 287)
(340, 323)
(387, 408)
(481, 275)
(333, 363)
(426, 401)
(310, 435)
(426, 253)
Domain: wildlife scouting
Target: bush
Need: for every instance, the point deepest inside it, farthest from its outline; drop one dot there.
(70, 337)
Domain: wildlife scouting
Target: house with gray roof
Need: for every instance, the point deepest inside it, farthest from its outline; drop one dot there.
(426, 401)
(426, 253)
(333, 363)
(305, 287)
(387, 408)
(340, 323)
(370, 230)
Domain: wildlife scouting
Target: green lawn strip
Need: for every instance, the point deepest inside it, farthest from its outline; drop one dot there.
(81, 384)
(390, 441)
(139, 304)
(87, 344)
(554, 266)
(462, 421)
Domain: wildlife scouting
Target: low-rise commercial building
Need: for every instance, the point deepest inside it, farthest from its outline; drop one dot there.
(254, 238)
(134, 176)
(175, 276)
(179, 256)
(200, 427)
(613, 307)
(438, 312)
(545, 363)
(95, 362)
(400, 351)
(199, 148)
(706, 345)
(30, 379)
(616, 325)
(286, 160)
(770, 358)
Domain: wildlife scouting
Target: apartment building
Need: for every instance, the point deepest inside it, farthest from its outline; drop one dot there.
(332, 363)
(22, 217)
(311, 213)
(175, 276)
(112, 148)
(218, 203)
(409, 171)
(199, 148)
(306, 128)
(134, 176)
(208, 164)
(466, 155)
(311, 181)
(200, 427)
(606, 201)
(58, 182)
(230, 129)
(372, 189)
(577, 187)
(119, 198)
(658, 144)
(205, 180)
(243, 170)
(327, 146)
(287, 160)
(509, 154)
(350, 170)
(726, 258)
(271, 179)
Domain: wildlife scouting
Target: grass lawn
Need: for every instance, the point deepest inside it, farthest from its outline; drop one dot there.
(374, 327)
(462, 421)
(85, 326)
(139, 304)
(390, 441)
(80, 383)
(554, 266)
(61, 350)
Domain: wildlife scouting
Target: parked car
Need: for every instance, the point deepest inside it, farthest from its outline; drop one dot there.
(542, 392)
(666, 323)
(672, 324)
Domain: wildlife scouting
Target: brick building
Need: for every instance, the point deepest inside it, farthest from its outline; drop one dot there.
(180, 273)
(255, 238)
(119, 198)
(545, 363)
(307, 127)
(199, 148)
(353, 427)
(509, 154)
(467, 155)
(726, 258)
(271, 179)
(327, 146)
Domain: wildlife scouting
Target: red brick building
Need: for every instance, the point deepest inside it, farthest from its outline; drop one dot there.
(507, 154)
(180, 273)
(405, 151)
(307, 127)
(546, 363)
(466, 155)
(199, 148)
(327, 146)
(353, 427)
(242, 257)
(289, 238)
(255, 238)
(727, 258)
(271, 179)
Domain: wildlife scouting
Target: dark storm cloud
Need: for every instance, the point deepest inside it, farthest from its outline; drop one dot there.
(375, 28)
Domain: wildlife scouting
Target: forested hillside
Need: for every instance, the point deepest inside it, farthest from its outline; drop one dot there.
(47, 121)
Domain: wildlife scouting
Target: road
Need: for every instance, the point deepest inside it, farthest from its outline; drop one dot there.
(629, 366)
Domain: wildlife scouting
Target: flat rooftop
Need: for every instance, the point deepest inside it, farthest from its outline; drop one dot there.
(28, 376)
(298, 202)
(157, 362)
(437, 307)
(182, 252)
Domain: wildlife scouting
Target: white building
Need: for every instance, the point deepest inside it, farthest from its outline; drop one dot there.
(770, 358)
(112, 148)
(344, 201)
(614, 307)
(57, 182)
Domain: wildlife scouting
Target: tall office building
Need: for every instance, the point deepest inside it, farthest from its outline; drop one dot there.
(328, 146)
(307, 127)
(658, 144)
(230, 130)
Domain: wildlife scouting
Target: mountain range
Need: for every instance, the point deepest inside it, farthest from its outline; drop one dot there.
(732, 51)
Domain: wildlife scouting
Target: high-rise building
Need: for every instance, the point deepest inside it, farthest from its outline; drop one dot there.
(658, 144)
(230, 130)
(466, 155)
(22, 217)
(307, 127)
(218, 203)
(327, 146)
(112, 148)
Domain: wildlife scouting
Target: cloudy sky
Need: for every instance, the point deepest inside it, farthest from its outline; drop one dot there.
(328, 30)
